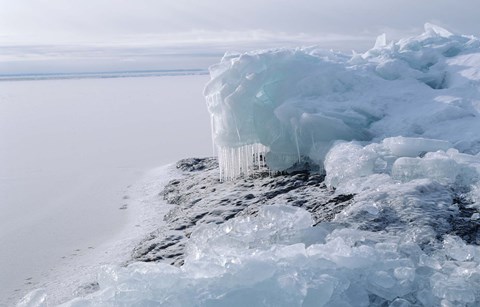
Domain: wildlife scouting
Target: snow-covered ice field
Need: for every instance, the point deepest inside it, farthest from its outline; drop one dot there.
(68, 151)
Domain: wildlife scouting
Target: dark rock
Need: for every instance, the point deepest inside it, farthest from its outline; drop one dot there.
(462, 225)
(197, 164)
(200, 198)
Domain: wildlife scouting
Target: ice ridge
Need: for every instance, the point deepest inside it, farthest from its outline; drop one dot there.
(297, 102)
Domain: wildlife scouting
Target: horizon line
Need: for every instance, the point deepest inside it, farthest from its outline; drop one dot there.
(103, 74)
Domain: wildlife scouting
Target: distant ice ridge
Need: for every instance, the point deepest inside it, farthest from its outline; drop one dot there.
(277, 259)
(298, 102)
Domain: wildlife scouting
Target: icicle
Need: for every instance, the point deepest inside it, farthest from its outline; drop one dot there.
(314, 145)
(296, 143)
(240, 161)
(212, 128)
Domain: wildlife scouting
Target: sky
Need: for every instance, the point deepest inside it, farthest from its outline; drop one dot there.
(44, 35)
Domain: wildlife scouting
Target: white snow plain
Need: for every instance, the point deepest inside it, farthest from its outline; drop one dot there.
(397, 126)
(68, 150)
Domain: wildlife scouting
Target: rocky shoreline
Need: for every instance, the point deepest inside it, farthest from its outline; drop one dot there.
(200, 198)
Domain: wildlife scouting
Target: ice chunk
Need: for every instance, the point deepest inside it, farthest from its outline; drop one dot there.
(413, 147)
(404, 273)
(320, 295)
(392, 69)
(431, 28)
(457, 249)
(430, 262)
(443, 170)
(382, 279)
(452, 289)
(381, 41)
(348, 160)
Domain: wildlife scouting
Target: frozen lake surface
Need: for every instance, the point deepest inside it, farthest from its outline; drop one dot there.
(68, 151)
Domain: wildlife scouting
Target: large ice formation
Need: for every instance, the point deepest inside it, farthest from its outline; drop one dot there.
(297, 102)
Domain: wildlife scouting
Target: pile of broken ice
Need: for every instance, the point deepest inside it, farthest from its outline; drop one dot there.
(398, 126)
(277, 259)
(298, 102)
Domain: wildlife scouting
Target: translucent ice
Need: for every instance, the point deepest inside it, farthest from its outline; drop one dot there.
(297, 102)
(441, 169)
(413, 147)
(403, 185)
(263, 261)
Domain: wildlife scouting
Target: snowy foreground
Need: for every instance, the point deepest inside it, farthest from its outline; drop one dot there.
(394, 223)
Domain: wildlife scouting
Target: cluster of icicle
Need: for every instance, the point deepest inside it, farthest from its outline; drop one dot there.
(240, 161)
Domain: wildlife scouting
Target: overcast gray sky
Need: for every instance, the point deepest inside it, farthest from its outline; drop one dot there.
(34, 29)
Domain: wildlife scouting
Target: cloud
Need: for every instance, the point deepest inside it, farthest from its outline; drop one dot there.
(75, 21)
(122, 30)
